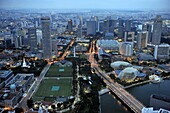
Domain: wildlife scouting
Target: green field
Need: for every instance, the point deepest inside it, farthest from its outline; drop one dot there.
(56, 71)
(46, 86)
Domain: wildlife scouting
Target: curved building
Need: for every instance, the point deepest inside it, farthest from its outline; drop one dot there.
(119, 65)
(128, 74)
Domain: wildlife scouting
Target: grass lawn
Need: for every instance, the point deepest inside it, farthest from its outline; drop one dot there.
(56, 71)
(45, 88)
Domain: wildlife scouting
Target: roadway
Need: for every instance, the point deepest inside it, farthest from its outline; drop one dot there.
(116, 88)
(66, 51)
(33, 88)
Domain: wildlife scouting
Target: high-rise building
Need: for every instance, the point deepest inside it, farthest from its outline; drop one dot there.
(126, 48)
(79, 31)
(101, 26)
(161, 51)
(91, 27)
(112, 25)
(97, 22)
(120, 32)
(32, 39)
(142, 39)
(46, 38)
(109, 26)
(81, 20)
(106, 26)
(148, 27)
(128, 25)
(129, 36)
(120, 22)
(157, 30)
(70, 25)
(54, 46)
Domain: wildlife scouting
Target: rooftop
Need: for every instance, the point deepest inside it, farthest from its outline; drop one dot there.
(4, 73)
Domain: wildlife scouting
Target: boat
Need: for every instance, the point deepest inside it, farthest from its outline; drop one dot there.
(155, 78)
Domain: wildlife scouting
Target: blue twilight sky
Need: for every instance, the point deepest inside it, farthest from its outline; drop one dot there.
(89, 4)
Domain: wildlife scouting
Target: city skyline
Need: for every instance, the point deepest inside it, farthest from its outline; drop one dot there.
(80, 4)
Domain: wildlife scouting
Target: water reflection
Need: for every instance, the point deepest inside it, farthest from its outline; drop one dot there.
(110, 104)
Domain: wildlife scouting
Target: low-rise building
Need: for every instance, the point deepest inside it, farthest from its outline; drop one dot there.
(23, 80)
(11, 94)
(6, 76)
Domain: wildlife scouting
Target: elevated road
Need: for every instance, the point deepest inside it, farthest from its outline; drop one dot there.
(116, 88)
(121, 93)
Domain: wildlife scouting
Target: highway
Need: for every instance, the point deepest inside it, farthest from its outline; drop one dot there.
(116, 88)
(33, 88)
(66, 51)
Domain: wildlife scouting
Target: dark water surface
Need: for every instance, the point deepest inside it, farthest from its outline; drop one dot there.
(110, 104)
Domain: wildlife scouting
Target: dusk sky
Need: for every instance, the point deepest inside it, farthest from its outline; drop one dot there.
(88, 4)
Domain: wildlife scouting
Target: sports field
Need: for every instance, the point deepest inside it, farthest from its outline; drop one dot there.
(53, 88)
(56, 71)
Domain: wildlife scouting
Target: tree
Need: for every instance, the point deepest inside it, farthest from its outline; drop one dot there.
(19, 110)
(30, 103)
(53, 106)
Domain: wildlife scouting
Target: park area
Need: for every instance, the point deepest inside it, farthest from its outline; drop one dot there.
(56, 71)
(53, 88)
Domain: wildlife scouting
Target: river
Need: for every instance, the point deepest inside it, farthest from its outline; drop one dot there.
(110, 104)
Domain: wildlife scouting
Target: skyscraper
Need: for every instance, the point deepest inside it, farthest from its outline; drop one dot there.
(148, 27)
(157, 30)
(120, 22)
(162, 51)
(120, 32)
(128, 25)
(126, 48)
(70, 25)
(129, 37)
(32, 39)
(91, 27)
(106, 26)
(46, 38)
(142, 39)
(79, 31)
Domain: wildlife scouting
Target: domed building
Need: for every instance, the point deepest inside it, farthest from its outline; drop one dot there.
(12, 88)
(128, 74)
(120, 65)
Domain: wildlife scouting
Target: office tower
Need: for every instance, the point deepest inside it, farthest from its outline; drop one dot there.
(161, 51)
(70, 25)
(52, 17)
(148, 27)
(39, 38)
(106, 26)
(120, 32)
(128, 25)
(79, 31)
(32, 39)
(126, 48)
(46, 38)
(81, 20)
(54, 46)
(97, 22)
(112, 25)
(120, 22)
(37, 22)
(91, 27)
(101, 26)
(129, 36)
(157, 30)
(142, 39)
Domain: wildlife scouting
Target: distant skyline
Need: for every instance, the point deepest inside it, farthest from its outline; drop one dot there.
(87, 4)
